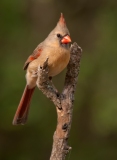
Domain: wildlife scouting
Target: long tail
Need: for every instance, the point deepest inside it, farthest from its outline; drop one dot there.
(23, 108)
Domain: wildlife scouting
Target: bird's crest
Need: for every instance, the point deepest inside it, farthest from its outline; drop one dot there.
(62, 20)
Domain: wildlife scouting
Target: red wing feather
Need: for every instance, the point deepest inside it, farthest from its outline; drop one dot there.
(32, 57)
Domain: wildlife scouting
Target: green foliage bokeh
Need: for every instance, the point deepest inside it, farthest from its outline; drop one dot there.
(93, 25)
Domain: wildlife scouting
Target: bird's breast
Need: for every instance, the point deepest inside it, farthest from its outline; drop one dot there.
(58, 60)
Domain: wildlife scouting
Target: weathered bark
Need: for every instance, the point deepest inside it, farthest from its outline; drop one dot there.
(63, 101)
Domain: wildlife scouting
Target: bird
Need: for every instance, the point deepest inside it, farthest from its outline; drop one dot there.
(56, 47)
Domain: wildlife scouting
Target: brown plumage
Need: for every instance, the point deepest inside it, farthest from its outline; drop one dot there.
(56, 48)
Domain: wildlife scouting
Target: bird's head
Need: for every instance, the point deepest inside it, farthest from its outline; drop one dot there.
(60, 34)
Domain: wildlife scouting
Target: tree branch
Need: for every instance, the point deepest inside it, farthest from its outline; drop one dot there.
(63, 101)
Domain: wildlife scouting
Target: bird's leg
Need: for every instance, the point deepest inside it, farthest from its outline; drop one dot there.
(57, 93)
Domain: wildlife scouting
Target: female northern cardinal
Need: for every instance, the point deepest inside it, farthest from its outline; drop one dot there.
(56, 48)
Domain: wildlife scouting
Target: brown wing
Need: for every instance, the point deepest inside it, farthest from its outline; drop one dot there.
(34, 56)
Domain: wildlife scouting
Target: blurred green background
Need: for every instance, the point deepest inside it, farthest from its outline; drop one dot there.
(93, 25)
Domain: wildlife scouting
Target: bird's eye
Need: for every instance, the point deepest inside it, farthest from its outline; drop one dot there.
(58, 35)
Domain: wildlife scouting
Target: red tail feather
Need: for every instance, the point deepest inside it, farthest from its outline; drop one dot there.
(23, 108)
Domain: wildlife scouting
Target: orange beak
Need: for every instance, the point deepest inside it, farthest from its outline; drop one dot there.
(66, 39)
